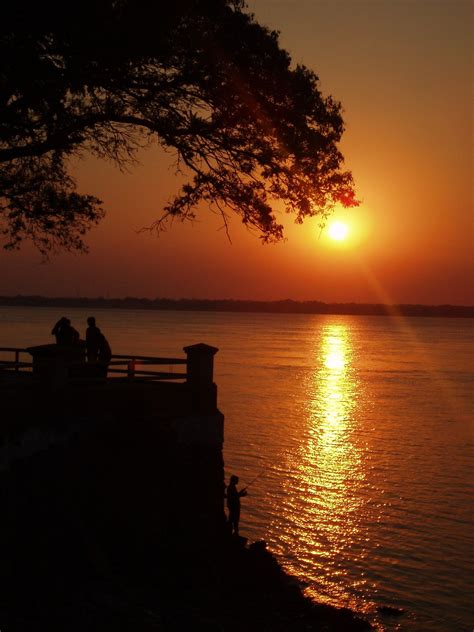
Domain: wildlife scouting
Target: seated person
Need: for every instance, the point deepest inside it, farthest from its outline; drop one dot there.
(65, 333)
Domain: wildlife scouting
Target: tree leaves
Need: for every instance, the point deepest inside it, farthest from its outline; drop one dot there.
(201, 77)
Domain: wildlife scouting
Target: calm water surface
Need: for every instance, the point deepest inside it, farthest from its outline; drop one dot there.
(362, 430)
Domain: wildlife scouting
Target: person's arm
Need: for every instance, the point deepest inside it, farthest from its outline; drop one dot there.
(54, 330)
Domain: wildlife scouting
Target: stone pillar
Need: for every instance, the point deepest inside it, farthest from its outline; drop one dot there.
(52, 363)
(200, 376)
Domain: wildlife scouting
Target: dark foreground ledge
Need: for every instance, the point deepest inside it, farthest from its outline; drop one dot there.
(239, 588)
(112, 511)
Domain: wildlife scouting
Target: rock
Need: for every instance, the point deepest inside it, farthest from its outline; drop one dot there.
(258, 546)
(390, 611)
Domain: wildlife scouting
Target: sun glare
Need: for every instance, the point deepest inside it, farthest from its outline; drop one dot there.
(338, 231)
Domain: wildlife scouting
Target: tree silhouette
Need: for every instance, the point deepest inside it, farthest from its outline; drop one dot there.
(200, 77)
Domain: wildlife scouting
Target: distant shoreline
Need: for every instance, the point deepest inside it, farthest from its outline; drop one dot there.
(229, 305)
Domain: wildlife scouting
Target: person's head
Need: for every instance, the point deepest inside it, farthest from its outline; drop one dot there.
(91, 321)
(65, 320)
(234, 479)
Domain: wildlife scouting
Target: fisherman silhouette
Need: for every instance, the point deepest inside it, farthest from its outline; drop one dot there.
(93, 341)
(65, 332)
(233, 496)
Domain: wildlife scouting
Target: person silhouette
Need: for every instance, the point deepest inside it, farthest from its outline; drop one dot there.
(57, 329)
(65, 332)
(104, 355)
(93, 335)
(233, 496)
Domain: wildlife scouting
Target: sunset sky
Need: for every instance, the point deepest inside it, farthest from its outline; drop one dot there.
(403, 72)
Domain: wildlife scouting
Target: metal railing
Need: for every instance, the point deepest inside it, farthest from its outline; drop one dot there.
(129, 364)
(14, 365)
(120, 365)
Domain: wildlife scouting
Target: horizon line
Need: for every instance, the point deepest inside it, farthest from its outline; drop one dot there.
(18, 297)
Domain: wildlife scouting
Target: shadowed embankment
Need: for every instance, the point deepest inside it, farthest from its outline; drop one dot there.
(238, 588)
(112, 496)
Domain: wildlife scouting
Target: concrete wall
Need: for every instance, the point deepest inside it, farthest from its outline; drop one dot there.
(108, 476)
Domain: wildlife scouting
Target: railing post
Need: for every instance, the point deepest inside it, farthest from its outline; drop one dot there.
(17, 360)
(200, 375)
(56, 364)
(131, 369)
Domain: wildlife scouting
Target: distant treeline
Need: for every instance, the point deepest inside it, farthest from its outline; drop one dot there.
(230, 305)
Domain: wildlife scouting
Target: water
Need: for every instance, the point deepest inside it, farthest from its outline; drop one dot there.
(362, 427)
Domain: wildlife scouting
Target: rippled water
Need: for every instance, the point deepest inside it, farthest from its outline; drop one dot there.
(361, 432)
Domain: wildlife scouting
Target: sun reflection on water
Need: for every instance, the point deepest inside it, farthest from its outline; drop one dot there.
(323, 509)
(332, 459)
(330, 405)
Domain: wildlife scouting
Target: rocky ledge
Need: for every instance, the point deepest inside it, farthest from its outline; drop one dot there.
(235, 588)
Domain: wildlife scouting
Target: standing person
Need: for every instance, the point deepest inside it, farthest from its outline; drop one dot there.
(93, 335)
(104, 355)
(233, 496)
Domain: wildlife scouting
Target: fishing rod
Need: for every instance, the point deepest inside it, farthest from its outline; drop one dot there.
(257, 477)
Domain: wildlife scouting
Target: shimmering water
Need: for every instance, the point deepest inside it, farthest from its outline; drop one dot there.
(362, 431)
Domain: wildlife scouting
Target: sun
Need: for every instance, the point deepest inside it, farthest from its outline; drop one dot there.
(338, 231)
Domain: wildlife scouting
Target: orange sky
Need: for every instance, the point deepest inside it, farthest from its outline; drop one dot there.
(403, 71)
